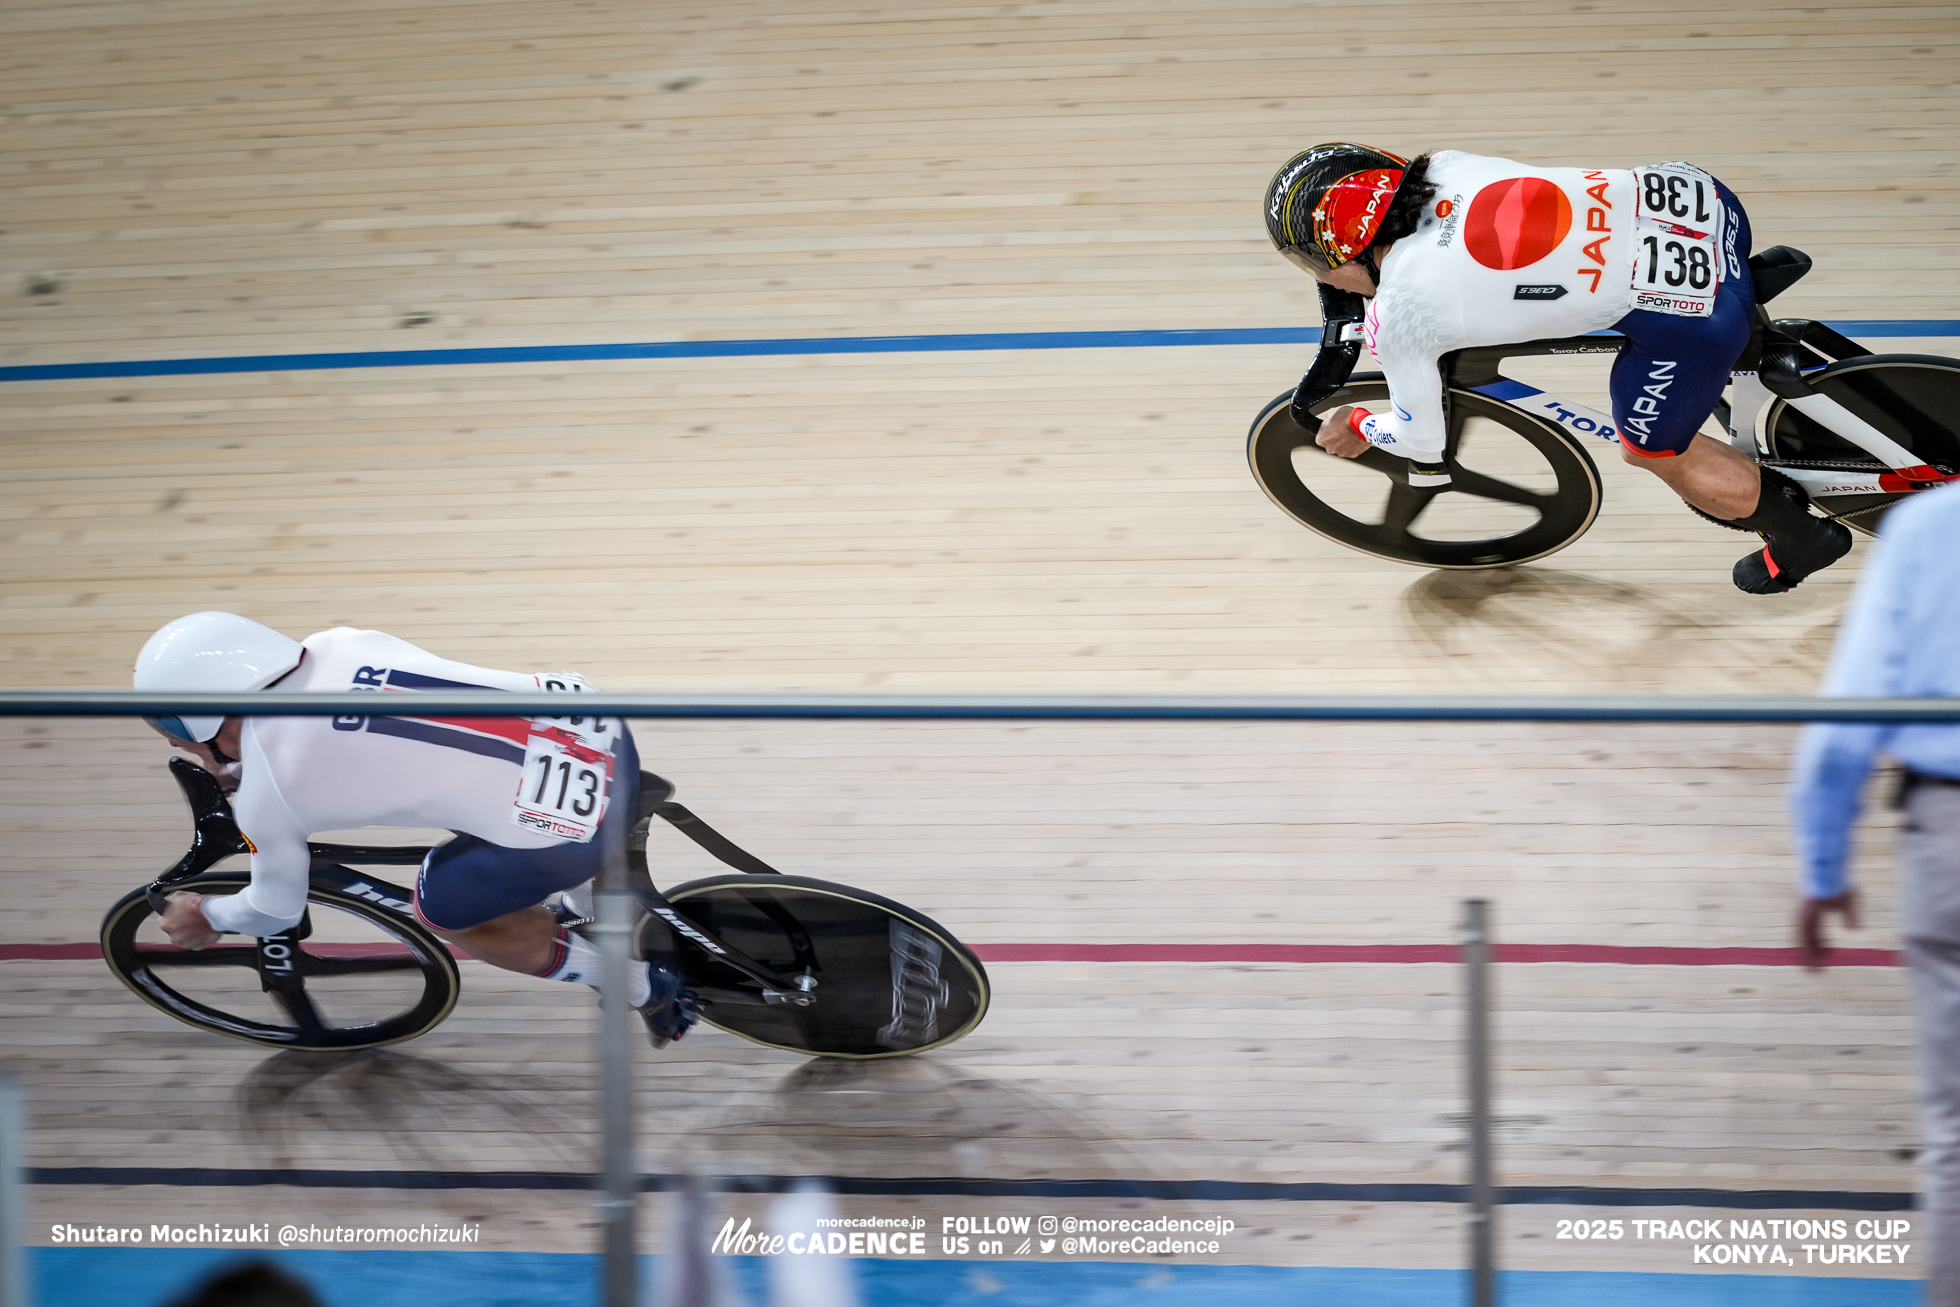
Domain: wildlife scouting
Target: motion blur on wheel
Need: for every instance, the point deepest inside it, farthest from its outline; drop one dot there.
(1520, 487)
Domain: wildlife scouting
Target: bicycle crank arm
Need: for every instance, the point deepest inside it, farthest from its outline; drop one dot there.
(727, 954)
(712, 996)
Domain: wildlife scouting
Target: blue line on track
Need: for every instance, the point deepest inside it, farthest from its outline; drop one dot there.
(152, 1277)
(702, 349)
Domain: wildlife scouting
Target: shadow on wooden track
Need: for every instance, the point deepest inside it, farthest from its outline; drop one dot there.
(915, 1117)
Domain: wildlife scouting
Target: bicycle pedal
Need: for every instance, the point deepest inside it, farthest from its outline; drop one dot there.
(563, 914)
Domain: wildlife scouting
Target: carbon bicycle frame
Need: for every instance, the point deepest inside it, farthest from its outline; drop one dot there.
(1772, 366)
(215, 837)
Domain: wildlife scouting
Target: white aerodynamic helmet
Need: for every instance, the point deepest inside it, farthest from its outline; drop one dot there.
(211, 652)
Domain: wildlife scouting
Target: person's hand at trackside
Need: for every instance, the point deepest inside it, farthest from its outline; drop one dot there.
(1811, 917)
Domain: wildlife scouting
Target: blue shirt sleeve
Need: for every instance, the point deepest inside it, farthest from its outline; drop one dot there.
(1835, 758)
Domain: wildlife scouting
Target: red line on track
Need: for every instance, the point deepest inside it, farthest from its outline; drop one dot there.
(1591, 954)
(48, 952)
(1595, 954)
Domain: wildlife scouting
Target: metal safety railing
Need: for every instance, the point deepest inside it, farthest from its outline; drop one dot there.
(618, 1202)
(999, 707)
(13, 1204)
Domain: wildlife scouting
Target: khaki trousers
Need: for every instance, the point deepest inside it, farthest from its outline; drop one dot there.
(1930, 913)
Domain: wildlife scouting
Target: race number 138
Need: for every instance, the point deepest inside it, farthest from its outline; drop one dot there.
(1677, 263)
(1677, 240)
(1686, 197)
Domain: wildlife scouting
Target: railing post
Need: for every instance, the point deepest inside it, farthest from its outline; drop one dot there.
(1483, 1232)
(13, 1206)
(615, 907)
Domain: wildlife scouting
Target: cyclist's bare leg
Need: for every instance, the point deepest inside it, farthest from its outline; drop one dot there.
(517, 941)
(1715, 477)
(1726, 484)
(532, 942)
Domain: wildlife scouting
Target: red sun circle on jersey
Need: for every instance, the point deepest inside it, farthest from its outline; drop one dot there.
(1516, 222)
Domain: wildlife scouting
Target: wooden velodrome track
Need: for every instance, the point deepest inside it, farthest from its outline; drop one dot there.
(200, 179)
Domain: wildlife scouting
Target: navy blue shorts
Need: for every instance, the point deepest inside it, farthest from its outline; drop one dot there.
(1667, 380)
(468, 881)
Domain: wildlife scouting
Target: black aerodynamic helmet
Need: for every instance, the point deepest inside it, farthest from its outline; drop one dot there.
(1325, 204)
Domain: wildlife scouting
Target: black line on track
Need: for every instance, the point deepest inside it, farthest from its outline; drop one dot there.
(198, 1177)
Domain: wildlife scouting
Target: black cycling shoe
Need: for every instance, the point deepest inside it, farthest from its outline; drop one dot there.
(1762, 573)
(1795, 544)
(671, 1008)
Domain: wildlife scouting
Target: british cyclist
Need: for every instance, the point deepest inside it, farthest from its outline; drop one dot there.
(526, 799)
(1456, 250)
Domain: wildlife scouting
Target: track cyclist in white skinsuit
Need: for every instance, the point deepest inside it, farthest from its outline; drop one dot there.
(1458, 250)
(526, 798)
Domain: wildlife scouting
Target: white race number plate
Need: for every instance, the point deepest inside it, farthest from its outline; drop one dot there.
(1677, 247)
(568, 767)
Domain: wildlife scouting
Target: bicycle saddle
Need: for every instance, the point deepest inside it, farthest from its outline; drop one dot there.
(1777, 269)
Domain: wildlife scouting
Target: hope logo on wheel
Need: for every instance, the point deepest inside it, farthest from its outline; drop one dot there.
(1516, 222)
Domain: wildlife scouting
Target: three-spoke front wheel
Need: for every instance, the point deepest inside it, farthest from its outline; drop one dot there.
(356, 973)
(1520, 488)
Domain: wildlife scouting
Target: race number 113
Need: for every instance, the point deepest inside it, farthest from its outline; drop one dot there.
(567, 770)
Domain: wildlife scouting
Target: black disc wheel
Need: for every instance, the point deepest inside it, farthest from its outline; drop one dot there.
(355, 973)
(1520, 487)
(1913, 398)
(885, 981)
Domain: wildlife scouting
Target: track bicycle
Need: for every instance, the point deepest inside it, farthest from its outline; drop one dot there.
(1857, 431)
(786, 961)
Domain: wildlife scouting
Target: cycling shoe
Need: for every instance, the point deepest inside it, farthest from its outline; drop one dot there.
(1795, 543)
(1763, 573)
(671, 1008)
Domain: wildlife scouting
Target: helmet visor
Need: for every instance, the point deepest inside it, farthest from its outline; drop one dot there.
(1306, 258)
(185, 730)
(170, 728)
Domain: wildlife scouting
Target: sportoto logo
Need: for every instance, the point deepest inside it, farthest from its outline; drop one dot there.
(1516, 222)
